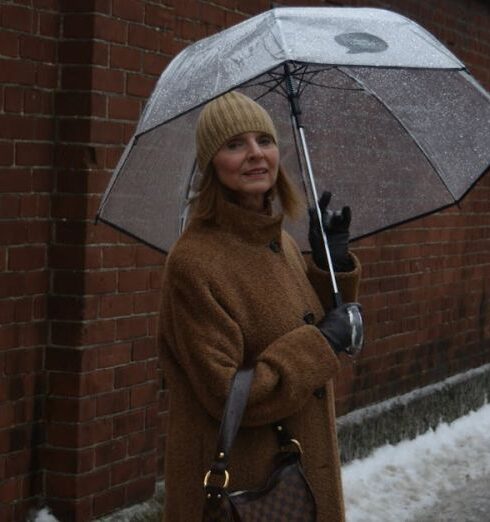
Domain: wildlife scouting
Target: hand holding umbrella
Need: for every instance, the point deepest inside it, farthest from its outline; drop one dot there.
(342, 326)
(336, 225)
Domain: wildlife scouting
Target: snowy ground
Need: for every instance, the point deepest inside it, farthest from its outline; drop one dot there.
(441, 476)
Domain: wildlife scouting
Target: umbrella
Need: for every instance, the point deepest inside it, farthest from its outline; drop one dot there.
(395, 125)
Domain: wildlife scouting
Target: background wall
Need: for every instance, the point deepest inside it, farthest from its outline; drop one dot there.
(82, 402)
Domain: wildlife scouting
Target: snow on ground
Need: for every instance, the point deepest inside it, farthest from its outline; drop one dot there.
(406, 482)
(442, 475)
(45, 516)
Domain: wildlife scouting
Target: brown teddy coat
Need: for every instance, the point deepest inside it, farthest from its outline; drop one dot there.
(240, 292)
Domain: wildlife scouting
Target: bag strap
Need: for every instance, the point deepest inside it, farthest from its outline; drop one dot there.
(232, 417)
(230, 423)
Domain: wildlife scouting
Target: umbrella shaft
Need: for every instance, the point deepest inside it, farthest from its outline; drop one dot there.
(309, 169)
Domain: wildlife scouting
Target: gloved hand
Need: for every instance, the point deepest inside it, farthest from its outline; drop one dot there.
(336, 225)
(339, 330)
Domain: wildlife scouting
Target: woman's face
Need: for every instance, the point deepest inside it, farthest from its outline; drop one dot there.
(248, 164)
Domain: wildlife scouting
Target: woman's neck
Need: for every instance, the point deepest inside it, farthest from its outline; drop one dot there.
(253, 202)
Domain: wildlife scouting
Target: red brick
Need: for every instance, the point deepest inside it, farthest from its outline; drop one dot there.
(138, 85)
(26, 258)
(16, 17)
(128, 423)
(142, 442)
(67, 256)
(13, 99)
(12, 71)
(69, 409)
(100, 282)
(131, 327)
(187, 8)
(12, 232)
(68, 461)
(79, 510)
(84, 52)
(113, 355)
(132, 10)
(114, 402)
(9, 336)
(80, 103)
(147, 302)
(79, 435)
(98, 382)
(133, 280)
(6, 153)
(109, 501)
(34, 153)
(119, 256)
(140, 489)
(107, 80)
(47, 75)
(7, 415)
(111, 30)
(143, 395)
(67, 384)
(106, 132)
(212, 14)
(49, 24)
(124, 108)
(116, 305)
(35, 48)
(35, 206)
(159, 16)
(143, 37)
(9, 206)
(23, 361)
(111, 451)
(144, 348)
(73, 486)
(10, 490)
(123, 57)
(154, 64)
(125, 471)
(130, 374)
(71, 359)
(78, 26)
(86, 333)
(9, 43)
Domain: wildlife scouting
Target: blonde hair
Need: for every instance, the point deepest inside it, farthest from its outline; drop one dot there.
(205, 205)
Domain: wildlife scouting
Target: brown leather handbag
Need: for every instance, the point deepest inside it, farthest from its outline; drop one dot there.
(286, 496)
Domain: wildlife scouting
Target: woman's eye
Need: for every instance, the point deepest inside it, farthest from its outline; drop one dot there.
(233, 144)
(265, 140)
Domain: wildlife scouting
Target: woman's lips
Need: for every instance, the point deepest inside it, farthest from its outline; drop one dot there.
(256, 172)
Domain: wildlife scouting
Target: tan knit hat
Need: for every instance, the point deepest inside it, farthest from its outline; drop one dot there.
(225, 117)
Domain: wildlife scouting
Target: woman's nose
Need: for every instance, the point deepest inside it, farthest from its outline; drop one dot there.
(254, 149)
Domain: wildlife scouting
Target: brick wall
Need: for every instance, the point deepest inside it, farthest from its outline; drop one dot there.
(28, 47)
(82, 411)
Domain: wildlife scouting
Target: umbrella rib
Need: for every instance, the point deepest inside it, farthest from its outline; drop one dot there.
(431, 162)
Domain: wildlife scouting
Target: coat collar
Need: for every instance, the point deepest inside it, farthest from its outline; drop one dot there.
(248, 225)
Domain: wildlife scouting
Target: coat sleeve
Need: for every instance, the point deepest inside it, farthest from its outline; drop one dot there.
(347, 282)
(207, 344)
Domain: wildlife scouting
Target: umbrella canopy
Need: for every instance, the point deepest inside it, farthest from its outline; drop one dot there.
(396, 127)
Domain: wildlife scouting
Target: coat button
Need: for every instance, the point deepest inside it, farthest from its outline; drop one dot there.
(319, 393)
(309, 318)
(275, 246)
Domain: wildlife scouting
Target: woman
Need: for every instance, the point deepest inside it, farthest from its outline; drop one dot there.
(237, 291)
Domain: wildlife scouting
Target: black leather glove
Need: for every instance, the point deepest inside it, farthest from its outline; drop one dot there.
(339, 331)
(336, 225)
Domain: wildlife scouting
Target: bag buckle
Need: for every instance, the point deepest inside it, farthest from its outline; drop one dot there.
(208, 476)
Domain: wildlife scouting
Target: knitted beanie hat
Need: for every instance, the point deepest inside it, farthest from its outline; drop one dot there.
(225, 117)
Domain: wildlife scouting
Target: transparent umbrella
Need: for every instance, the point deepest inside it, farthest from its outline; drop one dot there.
(394, 124)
